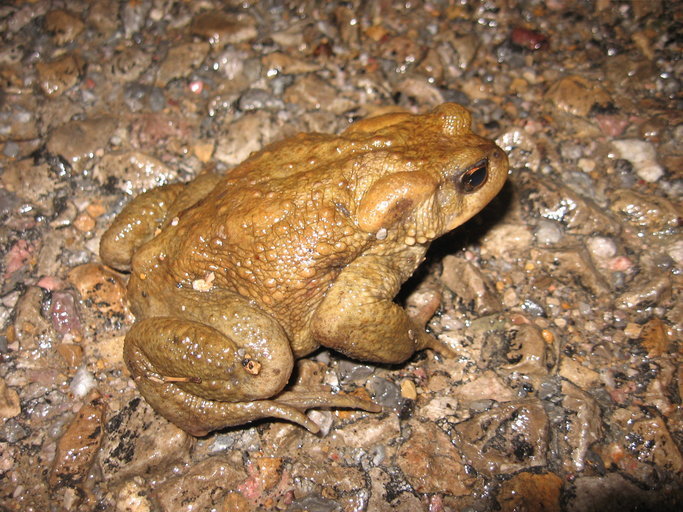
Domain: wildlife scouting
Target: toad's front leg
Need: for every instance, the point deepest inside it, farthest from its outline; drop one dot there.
(359, 319)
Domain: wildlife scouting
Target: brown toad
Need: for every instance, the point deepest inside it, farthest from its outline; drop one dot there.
(304, 244)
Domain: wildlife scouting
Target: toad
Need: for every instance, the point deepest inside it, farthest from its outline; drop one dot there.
(305, 244)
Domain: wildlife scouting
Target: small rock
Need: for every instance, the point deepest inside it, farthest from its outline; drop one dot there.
(64, 314)
(133, 496)
(239, 142)
(408, 389)
(486, 386)
(601, 248)
(577, 95)
(64, 26)
(642, 155)
(127, 64)
(313, 93)
(222, 28)
(30, 328)
(530, 491)
(257, 99)
(80, 443)
(60, 74)
(645, 292)
(507, 438)
(439, 408)
(506, 239)
(654, 338)
(583, 424)
(385, 393)
(553, 201)
(322, 475)
(180, 61)
(204, 486)
(548, 232)
(431, 463)
(582, 376)
(71, 353)
(104, 18)
(9, 401)
(574, 263)
(139, 440)
(527, 352)
(132, 171)
(614, 493)
(278, 62)
(79, 141)
(82, 383)
(529, 39)
(420, 90)
(645, 210)
(100, 288)
(470, 284)
(675, 251)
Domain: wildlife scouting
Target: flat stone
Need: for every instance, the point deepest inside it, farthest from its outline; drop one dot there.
(507, 438)
(80, 443)
(138, 440)
(432, 464)
(222, 28)
(58, 75)
(204, 486)
(78, 142)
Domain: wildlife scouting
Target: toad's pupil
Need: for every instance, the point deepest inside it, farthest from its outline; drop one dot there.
(475, 177)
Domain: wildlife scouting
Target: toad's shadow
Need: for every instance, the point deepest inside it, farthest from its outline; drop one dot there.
(455, 241)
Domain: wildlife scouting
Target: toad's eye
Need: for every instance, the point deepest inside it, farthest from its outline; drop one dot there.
(474, 177)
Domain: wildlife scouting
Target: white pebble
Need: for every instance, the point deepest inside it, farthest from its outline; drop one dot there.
(601, 247)
(642, 155)
(548, 232)
(82, 382)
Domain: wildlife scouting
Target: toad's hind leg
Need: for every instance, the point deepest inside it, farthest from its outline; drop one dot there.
(221, 370)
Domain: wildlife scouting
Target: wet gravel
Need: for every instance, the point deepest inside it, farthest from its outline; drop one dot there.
(562, 300)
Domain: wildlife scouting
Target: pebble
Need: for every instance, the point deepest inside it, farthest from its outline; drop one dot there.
(64, 26)
(132, 172)
(486, 386)
(645, 210)
(9, 401)
(520, 430)
(222, 28)
(601, 248)
(180, 61)
(64, 314)
(577, 95)
(548, 232)
(531, 491)
(470, 285)
(204, 484)
(78, 142)
(79, 444)
(82, 383)
(584, 426)
(675, 251)
(59, 75)
(642, 155)
(644, 292)
(138, 440)
(529, 39)
(431, 463)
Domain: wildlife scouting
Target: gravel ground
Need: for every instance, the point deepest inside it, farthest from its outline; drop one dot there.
(562, 299)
